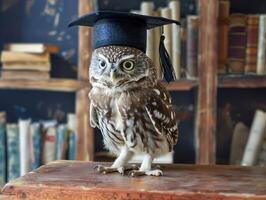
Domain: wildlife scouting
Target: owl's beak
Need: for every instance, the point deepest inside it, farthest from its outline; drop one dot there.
(113, 75)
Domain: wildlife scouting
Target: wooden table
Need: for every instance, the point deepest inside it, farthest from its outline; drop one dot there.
(77, 180)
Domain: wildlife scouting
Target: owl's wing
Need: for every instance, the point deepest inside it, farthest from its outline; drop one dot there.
(93, 117)
(162, 113)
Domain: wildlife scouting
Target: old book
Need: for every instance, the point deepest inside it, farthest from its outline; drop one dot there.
(9, 56)
(31, 47)
(174, 5)
(237, 41)
(71, 152)
(35, 130)
(167, 29)
(255, 139)
(157, 35)
(262, 154)
(2, 148)
(192, 47)
(25, 146)
(40, 66)
(261, 60)
(49, 140)
(239, 141)
(13, 167)
(147, 8)
(183, 35)
(223, 20)
(25, 74)
(61, 143)
(252, 43)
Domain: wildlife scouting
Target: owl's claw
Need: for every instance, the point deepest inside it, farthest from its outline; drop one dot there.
(136, 173)
(105, 170)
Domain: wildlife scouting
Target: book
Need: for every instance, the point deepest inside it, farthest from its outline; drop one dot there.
(49, 139)
(167, 29)
(9, 56)
(239, 141)
(71, 153)
(237, 40)
(2, 148)
(25, 74)
(223, 20)
(261, 60)
(39, 66)
(262, 154)
(256, 136)
(157, 35)
(147, 8)
(252, 44)
(176, 46)
(35, 130)
(183, 37)
(25, 144)
(13, 160)
(31, 47)
(61, 143)
(192, 46)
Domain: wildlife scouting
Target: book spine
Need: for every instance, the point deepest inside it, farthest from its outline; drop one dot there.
(71, 146)
(2, 148)
(262, 155)
(61, 143)
(252, 44)
(157, 34)
(192, 47)
(183, 35)
(261, 62)
(147, 8)
(237, 40)
(176, 46)
(239, 141)
(223, 20)
(13, 169)
(166, 13)
(49, 145)
(25, 146)
(35, 130)
(255, 139)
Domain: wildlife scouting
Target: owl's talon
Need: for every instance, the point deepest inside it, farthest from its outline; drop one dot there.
(135, 173)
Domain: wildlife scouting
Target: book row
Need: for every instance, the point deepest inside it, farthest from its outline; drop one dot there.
(181, 42)
(248, 146)
(241, 42)
(24, 146)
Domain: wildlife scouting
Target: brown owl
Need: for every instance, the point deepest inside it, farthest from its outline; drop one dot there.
(131, 108)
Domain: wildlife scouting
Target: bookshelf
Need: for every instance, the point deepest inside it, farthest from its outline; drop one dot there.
(242, 81)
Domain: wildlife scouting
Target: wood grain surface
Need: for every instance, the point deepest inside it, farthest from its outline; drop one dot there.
(78, 180)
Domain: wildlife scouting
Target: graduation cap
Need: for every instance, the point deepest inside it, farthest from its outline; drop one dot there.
(126, 29)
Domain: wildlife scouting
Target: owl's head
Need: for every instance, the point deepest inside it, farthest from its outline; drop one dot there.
(120, 67)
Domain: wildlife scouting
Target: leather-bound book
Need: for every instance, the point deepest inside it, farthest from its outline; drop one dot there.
(237, 40)
(192, 46)
(261, 59)
(252, 44)
(223, 20)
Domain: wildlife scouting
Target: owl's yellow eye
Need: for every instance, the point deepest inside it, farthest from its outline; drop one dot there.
(128, 65)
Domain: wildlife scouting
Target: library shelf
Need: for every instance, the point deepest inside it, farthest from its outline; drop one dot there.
(54, 84)
(180, 85)
(242, 81)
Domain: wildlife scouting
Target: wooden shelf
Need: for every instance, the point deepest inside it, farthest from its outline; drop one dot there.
(242, 81)
(63, 85)
(180, 85)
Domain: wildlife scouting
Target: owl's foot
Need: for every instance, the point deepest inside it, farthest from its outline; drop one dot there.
(155, 172)
(105, 170)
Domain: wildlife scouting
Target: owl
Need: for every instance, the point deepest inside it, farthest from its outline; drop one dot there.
(132, 109)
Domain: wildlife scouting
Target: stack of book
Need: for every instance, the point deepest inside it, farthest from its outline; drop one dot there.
(241, 41)
(25, 146)
(248, 146)
(27, 61)
(180, 42)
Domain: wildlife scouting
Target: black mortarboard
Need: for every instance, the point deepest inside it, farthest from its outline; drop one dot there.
(123, 29)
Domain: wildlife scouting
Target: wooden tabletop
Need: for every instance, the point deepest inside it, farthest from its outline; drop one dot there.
(78, 180)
